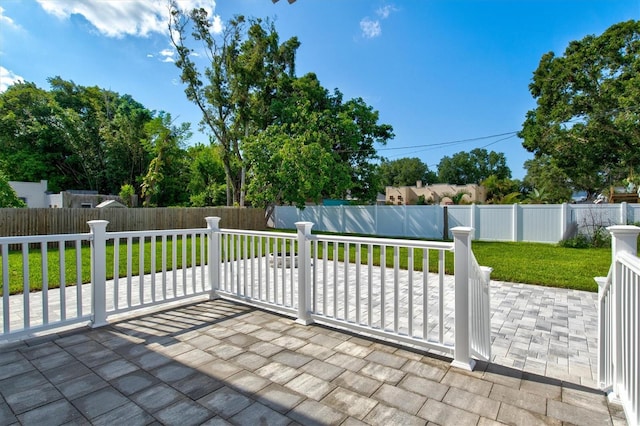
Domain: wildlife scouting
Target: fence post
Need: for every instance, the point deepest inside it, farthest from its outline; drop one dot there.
(98, 229)
(304, 272)
(213, 254)
(514, 224)
(445, 222)
(462, 248)
(564, 209)
(623, 213)
(472, 219)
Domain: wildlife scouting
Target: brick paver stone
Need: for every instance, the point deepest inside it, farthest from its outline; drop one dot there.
(258, 414)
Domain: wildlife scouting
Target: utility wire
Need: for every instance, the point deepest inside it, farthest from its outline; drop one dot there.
(510, 134)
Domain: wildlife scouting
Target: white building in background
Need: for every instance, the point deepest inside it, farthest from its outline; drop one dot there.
(438, 193)
(34, 194)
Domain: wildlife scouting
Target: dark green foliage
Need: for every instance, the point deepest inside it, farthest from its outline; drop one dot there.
(586, 117)
(473, 167)
(405, 172)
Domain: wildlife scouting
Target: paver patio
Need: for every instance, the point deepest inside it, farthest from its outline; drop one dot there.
(218, 362)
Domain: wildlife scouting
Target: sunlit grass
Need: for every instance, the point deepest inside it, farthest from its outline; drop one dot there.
(544, 264)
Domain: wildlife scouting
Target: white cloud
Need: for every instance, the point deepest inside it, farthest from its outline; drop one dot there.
(8, 78)
(7, 22)
(118, 18)
(167, 55)
(370, 29)
(217, 24)
(385, 11)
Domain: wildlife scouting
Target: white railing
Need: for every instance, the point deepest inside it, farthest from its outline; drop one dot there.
(48, 307)
(619, 323)
(363, 285)
(178, 256)
(379, 287)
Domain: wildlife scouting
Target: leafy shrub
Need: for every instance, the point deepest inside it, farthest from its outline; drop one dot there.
(599, 238)
(579, 241)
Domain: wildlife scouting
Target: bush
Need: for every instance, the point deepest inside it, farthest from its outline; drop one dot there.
(600, 238)
(579, 241)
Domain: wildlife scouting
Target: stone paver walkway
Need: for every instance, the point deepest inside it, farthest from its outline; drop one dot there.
(541, 330)
(217, 362)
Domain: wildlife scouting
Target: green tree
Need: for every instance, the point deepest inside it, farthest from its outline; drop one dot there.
(473, 167)
(502, 191)
(586, 116)
(405, 172)
(207, 179)
(237, 90)
(544, 175)
(126, 193)
(167, 176)
(8, 197)
(320, 147)
(34, 136)
(123, 134)
(75, 137)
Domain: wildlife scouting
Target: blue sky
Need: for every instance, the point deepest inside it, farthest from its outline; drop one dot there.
(448, 75)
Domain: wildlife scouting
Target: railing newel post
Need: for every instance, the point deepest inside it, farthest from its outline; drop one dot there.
(304, 272)
(213, 255)
(98, 229)
(623, 240)
(462, 249)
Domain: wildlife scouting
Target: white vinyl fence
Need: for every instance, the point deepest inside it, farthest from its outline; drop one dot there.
(547, 223)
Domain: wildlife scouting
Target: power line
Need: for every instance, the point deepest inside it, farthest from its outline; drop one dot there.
(509, 134)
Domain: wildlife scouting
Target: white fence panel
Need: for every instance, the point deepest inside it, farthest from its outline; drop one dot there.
(459, 216)
(424, 222)
(495, 223)
(285, 216)
(540, 223)
(359, 219)
(591, 216)
(633, 214)
(391, 220)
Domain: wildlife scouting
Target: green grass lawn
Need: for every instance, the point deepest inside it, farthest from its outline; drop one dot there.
(544, 264)
(532, 263)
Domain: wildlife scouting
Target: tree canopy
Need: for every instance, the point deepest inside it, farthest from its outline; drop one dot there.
(318, 147)
(405, 172)
(78, 137)
(587, 111)
(237, 90)
(545, 177)
(283, 139)
(8, 197)
(474, 166)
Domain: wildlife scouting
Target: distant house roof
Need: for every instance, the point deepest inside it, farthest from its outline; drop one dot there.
(111, 204)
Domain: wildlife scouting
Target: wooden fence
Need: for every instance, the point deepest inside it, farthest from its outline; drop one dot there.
(46, 221)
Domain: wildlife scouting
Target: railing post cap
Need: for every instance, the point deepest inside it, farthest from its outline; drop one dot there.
(623, 229)
(302, 226)
(213, 222)
(97, 223)
(462, 230)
